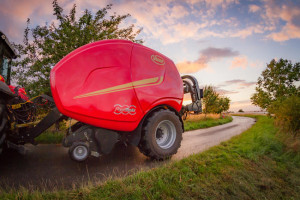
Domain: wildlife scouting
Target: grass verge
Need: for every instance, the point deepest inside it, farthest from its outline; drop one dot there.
(257, 164)
(205, 123)
(50, 137)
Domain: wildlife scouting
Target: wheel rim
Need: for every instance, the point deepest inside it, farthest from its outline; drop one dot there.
(80, 152)
(165, 134)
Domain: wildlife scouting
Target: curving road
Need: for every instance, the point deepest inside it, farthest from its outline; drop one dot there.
(49, 166)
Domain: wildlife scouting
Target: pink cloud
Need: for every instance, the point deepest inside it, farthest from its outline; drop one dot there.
(289, 13)
(223, 3)
(289, 31)
(168, 21)
(240, 84)
(254, 8)
(206, 55)
(13, 15)
(223, 92)
(250, 30)
(190, 67)
(239, 62)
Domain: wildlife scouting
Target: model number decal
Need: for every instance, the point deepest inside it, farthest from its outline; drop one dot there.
(125, 109)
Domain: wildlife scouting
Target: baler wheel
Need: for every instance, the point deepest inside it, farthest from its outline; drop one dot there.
(162, 135)
(79, 151)
(3, 124)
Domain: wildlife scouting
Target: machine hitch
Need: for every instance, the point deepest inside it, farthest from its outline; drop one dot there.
(190, 85)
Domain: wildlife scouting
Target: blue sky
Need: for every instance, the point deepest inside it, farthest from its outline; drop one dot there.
(225, 43)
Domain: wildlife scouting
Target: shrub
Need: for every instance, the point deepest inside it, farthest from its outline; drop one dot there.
(287, 114)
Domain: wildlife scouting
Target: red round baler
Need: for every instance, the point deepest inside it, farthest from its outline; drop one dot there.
(120, 91)
(113, 83)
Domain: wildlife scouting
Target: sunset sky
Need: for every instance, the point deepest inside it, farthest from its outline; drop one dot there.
(225, 43)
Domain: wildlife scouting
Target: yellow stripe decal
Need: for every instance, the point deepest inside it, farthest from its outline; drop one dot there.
(126, 86)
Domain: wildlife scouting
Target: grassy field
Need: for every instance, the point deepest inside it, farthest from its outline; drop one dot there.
(258, 164)
(191, 123)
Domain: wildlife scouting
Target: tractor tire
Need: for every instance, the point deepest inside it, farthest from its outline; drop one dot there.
(3, 124)
(161, 135)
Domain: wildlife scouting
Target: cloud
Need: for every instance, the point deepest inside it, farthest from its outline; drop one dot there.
(13, 15)
(247, 84)
(235, 81)
(190, 67)
(217, 3)
(239, 62)
(241, 84)
(253, 8)
(243, 62)
(250, 30)
(277, 20)
(206, 55)
(158, 19)
(223, 91)
(23, 8)
(178, 11)
(174, 21)
(289, 13)
(170, 21)
(212, 53)
(289, 31)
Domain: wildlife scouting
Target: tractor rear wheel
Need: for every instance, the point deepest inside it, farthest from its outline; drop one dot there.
(3, 124)
(161, 135)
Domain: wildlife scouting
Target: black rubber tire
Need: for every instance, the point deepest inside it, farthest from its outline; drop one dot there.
(73, 148)
(148, 144)
(3, 124)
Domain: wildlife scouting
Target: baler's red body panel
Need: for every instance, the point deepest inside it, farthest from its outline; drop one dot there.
(113, 83)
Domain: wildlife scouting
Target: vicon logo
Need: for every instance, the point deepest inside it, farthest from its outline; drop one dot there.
(125, 110)
(157, 59)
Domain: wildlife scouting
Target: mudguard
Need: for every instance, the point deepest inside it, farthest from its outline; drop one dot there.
(5, 91)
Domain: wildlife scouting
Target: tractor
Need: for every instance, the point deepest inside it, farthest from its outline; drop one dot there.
(116, 90)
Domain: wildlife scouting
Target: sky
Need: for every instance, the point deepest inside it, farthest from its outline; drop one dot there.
(224, 43)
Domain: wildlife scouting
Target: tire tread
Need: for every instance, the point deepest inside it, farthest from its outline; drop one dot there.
(145, 146)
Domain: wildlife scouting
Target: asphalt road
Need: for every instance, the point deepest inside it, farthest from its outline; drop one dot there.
(49, 166)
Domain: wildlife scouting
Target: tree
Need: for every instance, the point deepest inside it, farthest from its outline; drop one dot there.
(277, 82)
(222, 105)
(44, 46)
(240, 110)
(213, 102)
(210, 98)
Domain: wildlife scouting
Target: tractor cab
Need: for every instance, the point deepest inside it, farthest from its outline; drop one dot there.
(7, 53)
